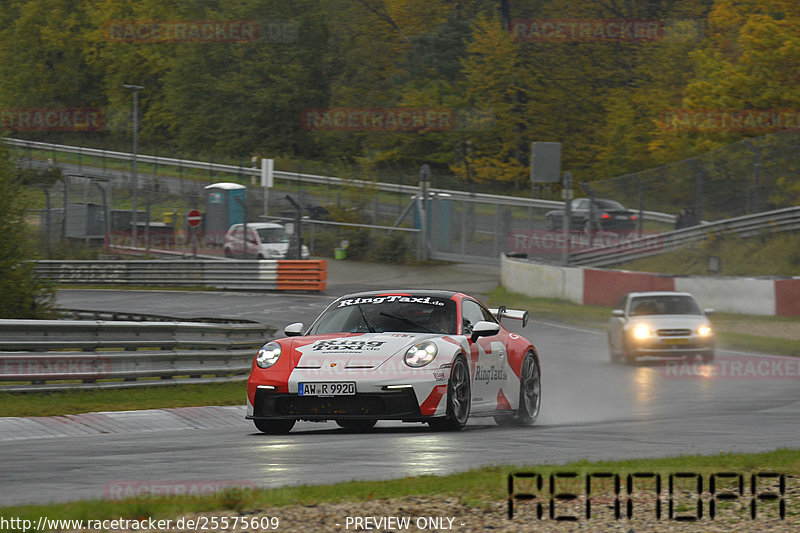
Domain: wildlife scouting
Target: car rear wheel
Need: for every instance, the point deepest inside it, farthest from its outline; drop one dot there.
(356, 425)
(530, 392)
(459, 399)
(274, 427)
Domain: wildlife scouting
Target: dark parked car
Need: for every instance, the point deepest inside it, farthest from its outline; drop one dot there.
(606, 215)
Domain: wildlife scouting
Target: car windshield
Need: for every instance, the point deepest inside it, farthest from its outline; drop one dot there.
(664, 305)
(272, 235)
(388, 312)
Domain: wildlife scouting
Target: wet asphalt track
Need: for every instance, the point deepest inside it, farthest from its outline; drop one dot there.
(591, 409)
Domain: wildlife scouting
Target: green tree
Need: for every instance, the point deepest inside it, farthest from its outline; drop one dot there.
(748, 60)
(493, 85)
(22, 294)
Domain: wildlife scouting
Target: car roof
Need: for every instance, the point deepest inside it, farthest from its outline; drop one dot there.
(658, 293)
(260, 225)
(411, 292)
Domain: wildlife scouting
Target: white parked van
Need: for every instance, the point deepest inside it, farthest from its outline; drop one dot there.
(265, 240)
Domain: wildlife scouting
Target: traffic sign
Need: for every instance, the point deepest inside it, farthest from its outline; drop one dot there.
(194, 218)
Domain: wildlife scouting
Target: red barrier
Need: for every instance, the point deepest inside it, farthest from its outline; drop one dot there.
(302, 275)
(606, 287)
(787, 297)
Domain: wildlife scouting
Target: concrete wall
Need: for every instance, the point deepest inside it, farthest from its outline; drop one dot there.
(541, 280)
(592, 286)
(750, 296)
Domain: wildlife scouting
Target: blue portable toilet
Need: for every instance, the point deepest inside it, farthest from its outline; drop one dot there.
(224, 206)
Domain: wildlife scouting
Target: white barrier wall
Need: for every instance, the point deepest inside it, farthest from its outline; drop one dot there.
(539, 280)
(750, 296)
(747, 296)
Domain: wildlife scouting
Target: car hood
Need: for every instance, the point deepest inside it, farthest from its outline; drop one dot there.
(354, 350)
(669, 321)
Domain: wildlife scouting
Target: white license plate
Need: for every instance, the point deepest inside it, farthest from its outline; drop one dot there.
(327, 388)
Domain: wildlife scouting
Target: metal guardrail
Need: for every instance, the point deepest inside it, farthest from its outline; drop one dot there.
(787, 219)
(252, 275)
(411, 190)
(81, 354)
(89, 314)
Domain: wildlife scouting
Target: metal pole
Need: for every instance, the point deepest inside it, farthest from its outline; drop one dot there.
(424, 184)
(567, 220)
(135, 89)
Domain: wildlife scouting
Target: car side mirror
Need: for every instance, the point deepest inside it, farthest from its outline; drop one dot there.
(293, 330)
(709, 311)
(618, 313)
(484, 328)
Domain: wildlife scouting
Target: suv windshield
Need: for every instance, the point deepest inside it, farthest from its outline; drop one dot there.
(391, 312)
(664, 305)
(272, 235)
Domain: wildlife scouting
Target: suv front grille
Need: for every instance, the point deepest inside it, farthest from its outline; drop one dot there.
(674, 332)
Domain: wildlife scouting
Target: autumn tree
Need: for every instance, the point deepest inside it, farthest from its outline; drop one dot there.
(22, 294)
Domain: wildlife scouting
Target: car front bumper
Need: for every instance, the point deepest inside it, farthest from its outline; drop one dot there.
(401, 404)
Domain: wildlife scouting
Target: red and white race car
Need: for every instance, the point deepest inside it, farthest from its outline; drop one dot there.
(417, 356)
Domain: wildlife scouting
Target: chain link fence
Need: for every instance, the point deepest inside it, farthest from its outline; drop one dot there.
(749, 176)
(372, 219)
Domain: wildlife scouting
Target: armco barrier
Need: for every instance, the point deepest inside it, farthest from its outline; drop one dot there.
(591, 286)
(80, 354)
(253, 275)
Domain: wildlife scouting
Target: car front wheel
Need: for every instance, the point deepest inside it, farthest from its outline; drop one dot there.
(459, 398)
(274, 427)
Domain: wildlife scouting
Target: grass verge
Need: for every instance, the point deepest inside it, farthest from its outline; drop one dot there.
(152, 397)
(476, 487)
(775, 335)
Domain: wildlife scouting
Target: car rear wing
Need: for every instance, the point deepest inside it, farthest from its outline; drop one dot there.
(501, 312)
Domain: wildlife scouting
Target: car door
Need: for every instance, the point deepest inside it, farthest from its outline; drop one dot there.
(252, 243)
(237, 241)
(488, 358)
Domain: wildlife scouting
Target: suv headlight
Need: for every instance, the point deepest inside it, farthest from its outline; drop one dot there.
(268, 355)
(641, 331)
(421, 354)
(704, 330)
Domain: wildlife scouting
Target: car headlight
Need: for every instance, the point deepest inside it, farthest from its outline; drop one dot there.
(421, 354)
(268, 355)
(641, 331)
(704, 330)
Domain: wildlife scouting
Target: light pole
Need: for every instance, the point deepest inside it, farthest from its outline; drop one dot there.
(135, 89)
(755, 200)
